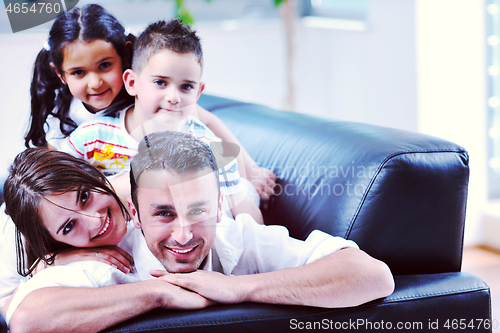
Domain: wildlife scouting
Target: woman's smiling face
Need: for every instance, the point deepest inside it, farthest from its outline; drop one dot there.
(83, 218)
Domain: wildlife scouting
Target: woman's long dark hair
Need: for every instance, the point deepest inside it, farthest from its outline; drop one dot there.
(49, 96)
(35, 173)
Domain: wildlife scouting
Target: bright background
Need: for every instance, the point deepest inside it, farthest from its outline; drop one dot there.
(418, 65)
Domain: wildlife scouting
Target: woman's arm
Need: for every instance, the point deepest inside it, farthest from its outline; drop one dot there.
(94, 309)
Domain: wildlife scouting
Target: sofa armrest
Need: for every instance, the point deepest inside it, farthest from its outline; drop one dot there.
(416, 305)
(400, 195)
(3, 325)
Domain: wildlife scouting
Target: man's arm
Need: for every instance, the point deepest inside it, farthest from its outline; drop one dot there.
(93, 309)
(345, 278)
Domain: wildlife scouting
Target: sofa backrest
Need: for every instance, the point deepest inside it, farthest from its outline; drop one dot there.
(400, 195)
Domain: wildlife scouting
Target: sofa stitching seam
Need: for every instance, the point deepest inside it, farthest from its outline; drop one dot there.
(449, 292)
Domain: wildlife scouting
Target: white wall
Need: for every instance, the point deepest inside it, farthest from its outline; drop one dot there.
(365, 76)
(452, 88)
(18, 52)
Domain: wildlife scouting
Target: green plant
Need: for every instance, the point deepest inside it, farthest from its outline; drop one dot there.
(183, 14)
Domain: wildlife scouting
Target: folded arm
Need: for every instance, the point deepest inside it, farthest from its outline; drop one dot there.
(94, 309)
(345, 278)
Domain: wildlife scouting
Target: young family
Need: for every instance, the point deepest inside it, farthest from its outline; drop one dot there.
(139, 209)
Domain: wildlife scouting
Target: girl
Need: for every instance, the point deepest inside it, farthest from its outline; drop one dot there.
(78, 74)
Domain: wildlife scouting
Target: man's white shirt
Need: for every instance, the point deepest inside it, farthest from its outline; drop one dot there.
(241, 247)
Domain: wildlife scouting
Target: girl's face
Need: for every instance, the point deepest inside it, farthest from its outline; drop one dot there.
(93, 72)
(83, 218)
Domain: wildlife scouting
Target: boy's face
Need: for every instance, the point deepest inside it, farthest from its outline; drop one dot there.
(168, 87)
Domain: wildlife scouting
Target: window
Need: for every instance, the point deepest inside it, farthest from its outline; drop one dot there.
(355, 10)
(493, 102)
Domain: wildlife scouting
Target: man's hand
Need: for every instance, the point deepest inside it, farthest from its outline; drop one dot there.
(176, 297)
(211, 285)
(344, 278)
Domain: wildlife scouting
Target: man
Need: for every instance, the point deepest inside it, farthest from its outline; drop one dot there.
(201, 257)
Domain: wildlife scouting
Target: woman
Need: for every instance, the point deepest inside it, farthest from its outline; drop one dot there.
(64, 210)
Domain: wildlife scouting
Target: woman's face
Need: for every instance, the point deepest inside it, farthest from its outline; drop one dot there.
(83, 218)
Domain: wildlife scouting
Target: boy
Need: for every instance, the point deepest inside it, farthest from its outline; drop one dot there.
(165, 80)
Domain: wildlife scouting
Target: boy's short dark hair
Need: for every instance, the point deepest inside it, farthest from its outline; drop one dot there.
(161, 35)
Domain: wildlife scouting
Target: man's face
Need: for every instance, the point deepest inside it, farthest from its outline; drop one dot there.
(178, 216)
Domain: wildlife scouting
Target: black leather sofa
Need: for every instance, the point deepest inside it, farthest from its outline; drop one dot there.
(401, 196)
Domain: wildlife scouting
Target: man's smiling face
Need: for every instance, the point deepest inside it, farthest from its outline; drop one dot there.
(178, 216)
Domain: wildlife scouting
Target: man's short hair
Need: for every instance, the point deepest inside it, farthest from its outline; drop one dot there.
(161, 35)
(174, 152)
